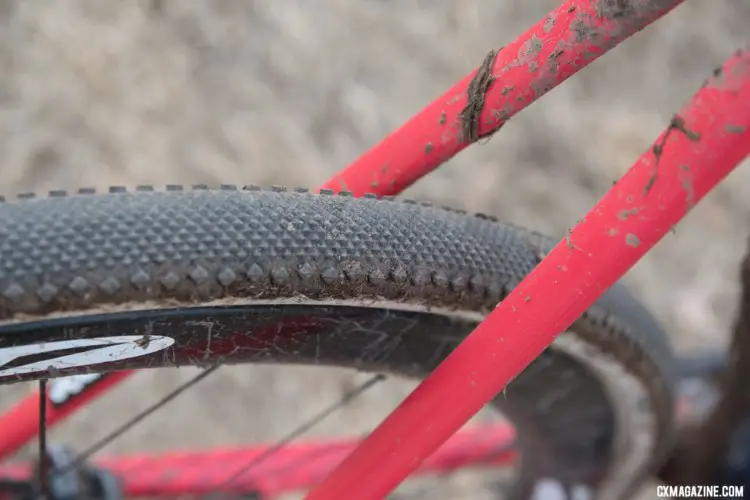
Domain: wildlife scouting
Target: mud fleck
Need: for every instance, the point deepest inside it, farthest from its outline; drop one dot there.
(572, 8)
(143, 342)
(342, 184)
(624, 214)
(475, 95)
(374, 184)
(527, 299)
(582, 30)
(428, 148)
(615, 9)
(569, 242)
(384, 168)
(687, 185)
(553, 63)
(717, 79)
(613, 231)
(529, 50)
(632, 240)
(501, 114)
(731, 128)
(550, 22)
(676, 125)
(506, 90)
(441, 121)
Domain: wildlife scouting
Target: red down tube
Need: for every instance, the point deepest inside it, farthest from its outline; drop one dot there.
(703, 143)
(567, 40)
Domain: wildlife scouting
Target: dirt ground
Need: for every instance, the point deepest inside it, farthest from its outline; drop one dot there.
(98, 93)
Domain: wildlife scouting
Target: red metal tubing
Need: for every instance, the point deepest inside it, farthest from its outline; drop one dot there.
(702, 144)
(298, 466)
(564, 42)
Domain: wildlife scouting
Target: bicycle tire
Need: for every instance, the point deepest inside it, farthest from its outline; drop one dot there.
(238, 275)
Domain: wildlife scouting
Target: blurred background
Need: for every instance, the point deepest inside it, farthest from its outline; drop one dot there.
(100, 92)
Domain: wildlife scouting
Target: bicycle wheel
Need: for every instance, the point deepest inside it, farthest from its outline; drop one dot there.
(132, 280)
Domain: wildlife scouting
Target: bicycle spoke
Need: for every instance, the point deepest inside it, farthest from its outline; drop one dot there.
(43, 472)
(88, 452)
(297, 432)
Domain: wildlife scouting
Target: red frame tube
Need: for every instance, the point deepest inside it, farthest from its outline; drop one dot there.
(302, 464)
(298, 466)
(567, 40)
(702, 145)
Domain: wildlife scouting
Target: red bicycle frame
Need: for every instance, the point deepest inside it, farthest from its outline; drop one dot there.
(701, 145)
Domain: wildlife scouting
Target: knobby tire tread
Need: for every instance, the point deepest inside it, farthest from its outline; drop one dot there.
(83, 253)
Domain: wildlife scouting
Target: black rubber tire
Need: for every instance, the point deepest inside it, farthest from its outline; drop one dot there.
(73, 266)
